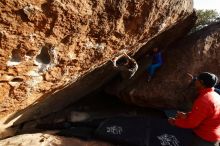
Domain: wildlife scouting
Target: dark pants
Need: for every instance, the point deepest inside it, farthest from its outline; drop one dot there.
(197, 141)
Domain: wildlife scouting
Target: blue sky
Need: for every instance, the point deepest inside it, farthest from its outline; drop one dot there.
(207, 4)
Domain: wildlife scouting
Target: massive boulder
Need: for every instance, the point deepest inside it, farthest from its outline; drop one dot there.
(53, 52)
(170, 88)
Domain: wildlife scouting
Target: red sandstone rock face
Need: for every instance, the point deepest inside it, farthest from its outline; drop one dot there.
(196, 53)
(48, 46)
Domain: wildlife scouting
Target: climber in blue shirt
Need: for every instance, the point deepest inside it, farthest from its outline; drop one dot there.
(157, 61)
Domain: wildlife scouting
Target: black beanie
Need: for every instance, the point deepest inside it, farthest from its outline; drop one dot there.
(209, 79)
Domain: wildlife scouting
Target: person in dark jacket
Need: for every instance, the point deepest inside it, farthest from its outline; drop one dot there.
(204, 118)
(157, 61)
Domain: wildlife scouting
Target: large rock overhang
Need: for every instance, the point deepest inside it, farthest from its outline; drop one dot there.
(53, 53)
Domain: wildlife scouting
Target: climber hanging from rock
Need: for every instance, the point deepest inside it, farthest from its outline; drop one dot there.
(126, 65)
(157, 62)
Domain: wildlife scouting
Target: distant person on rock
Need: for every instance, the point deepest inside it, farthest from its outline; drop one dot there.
(157, 61)
(204, 118)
